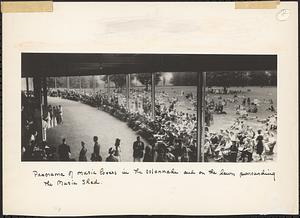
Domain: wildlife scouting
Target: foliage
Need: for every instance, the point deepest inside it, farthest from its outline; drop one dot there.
(118, 79)
(146, 79)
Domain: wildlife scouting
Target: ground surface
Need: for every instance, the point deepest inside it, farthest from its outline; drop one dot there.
(82, 122)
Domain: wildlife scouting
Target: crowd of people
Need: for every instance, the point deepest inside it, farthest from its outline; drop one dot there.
(172, 134)
(239, 142)
(53, 115)
(141, 153)
(34, 147)
(169, 131)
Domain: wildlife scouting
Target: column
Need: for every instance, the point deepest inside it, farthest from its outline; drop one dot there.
(200, 115)
(27, 85)
(108, 87)
(80, 82)
(128, 91)
(153, 95)
(94, 84)
(68, 82)
(38, 115)
(45, 100)
(55, 85)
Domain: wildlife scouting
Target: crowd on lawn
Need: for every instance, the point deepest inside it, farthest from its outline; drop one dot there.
(172, 134)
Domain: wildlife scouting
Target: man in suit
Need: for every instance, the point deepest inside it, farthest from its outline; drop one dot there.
(64, 151)
(138, 150)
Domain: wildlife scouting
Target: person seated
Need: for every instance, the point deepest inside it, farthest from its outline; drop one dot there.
(169, 156)
(247, 149)
(111, 157)
(243, 113)
(271, 108)
(252, 108)
(185, 156)
(207, 151)
(270, 144)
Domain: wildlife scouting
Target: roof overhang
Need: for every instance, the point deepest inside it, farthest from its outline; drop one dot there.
(83, 64)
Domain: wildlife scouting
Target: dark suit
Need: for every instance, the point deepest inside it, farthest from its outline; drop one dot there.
(63, 152)
(138, 149)
(96, 154)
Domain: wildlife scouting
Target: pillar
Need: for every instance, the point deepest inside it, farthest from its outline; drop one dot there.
(153, 95)
(38, 112)
(108, 87)
(68, 82)
(27, 85)
(80, 82)
(128, 91)
(200, 115)
(45, 100)
(55, 85)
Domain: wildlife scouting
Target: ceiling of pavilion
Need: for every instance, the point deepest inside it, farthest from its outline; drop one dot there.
(81, 64)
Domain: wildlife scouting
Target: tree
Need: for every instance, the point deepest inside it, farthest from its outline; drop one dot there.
(146, 79)
(184, 79)
(118, 79)
(74, 82)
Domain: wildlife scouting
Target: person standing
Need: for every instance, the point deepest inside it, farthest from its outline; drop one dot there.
(50, 111)
(233, 152)
(138, 150)
(148, 157)
(60, 112)
(48, 119)
(96, 153)
(259, 145)
(248, 101)
(54, 116)
(82, 154)
(44, 130)
(117, 152)
(64, 151)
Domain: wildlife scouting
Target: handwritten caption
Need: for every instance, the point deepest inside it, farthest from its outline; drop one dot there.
(96, 177)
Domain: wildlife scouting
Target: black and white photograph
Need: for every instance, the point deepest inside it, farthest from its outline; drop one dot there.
(118, 107)
(150, 108)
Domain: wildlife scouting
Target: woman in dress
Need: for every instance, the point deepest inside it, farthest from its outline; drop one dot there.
(260, 144)
(96, 154)
(50, 115)
(54, 113)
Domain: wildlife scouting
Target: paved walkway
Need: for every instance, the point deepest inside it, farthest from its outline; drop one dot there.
(82, 122)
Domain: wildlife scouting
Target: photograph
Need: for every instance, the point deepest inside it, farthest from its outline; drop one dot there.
(118, 107)
(150, 108)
